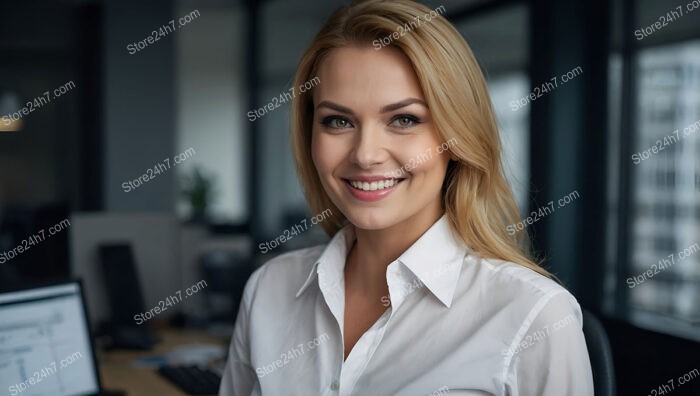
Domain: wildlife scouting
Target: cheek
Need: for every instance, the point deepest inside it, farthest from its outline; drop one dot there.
(315, 151)
(407, 153)
(434, 168)
(427, 167)
(325, 154)
(422, 158)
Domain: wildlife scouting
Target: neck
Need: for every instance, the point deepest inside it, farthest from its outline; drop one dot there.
(374, 250)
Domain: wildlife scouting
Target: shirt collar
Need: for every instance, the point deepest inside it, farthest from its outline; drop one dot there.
(333, 256)
(435, 259)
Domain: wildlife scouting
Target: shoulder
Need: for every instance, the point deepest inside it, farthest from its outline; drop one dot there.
(288, 269)
(520, 281)
(526, 295)
(543, 346)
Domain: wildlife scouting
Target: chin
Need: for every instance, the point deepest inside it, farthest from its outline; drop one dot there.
(374, 219)
(370, 221)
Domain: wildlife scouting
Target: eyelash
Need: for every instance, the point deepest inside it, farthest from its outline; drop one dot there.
(326, 121)
(415, 121)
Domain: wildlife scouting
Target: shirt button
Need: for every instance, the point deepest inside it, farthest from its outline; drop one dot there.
(334, 385)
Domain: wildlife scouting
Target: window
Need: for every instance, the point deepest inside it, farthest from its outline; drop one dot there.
(665, 239)
(499, 39)
(654, 259)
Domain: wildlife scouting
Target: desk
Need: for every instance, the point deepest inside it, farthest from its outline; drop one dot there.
(118, 373)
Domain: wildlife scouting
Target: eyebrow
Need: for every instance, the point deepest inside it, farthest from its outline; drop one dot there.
(385, 109)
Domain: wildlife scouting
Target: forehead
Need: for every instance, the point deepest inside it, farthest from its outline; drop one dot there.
(363, 76)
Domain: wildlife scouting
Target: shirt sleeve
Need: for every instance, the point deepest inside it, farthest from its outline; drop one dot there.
(239, 377)
(549, 356)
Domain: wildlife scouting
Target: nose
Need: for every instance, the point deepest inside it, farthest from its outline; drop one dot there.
(369, 149)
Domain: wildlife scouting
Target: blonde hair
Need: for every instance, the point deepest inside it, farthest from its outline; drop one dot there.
(476, 196)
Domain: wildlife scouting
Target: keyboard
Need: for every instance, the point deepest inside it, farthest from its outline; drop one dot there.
(193, 380)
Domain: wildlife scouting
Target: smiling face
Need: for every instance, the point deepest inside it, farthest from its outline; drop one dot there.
(374, 143)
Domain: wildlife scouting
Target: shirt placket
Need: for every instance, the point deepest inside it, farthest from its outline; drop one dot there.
(357, 361)
(362, 352)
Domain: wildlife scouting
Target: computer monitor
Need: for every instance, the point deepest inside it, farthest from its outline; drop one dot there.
(45, 343)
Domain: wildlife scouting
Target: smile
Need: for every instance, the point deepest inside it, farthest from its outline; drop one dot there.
(374, 185)
(370, 189)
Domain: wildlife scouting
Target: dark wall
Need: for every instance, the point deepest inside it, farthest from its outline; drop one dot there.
(37, 56)
(43, 164)
(139, 105)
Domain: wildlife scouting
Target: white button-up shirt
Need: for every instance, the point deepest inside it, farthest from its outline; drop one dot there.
(455, 324)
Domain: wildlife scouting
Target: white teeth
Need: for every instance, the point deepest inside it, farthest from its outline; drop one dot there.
(373, 186)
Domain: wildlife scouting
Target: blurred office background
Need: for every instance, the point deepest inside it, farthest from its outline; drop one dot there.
(187, 96)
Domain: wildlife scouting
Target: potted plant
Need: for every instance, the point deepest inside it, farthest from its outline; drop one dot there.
(198, 190)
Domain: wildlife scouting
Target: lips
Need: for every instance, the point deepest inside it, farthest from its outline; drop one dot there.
(371, 188)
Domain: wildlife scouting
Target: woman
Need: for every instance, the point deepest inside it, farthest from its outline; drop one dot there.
(421, 290)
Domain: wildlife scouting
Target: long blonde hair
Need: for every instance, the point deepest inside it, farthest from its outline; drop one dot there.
(476, 196)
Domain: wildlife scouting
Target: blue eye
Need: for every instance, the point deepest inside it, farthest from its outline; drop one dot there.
(405, 121)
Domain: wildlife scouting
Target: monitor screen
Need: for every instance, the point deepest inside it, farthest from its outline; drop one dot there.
(45, 346)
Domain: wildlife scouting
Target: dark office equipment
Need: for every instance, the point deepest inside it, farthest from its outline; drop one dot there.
(600, 354)
(125, 298)
(226, 273)
(129, 337)
(192, 379)
(50, 259)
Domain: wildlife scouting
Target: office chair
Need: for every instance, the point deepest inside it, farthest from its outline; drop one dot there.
(600, 354)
